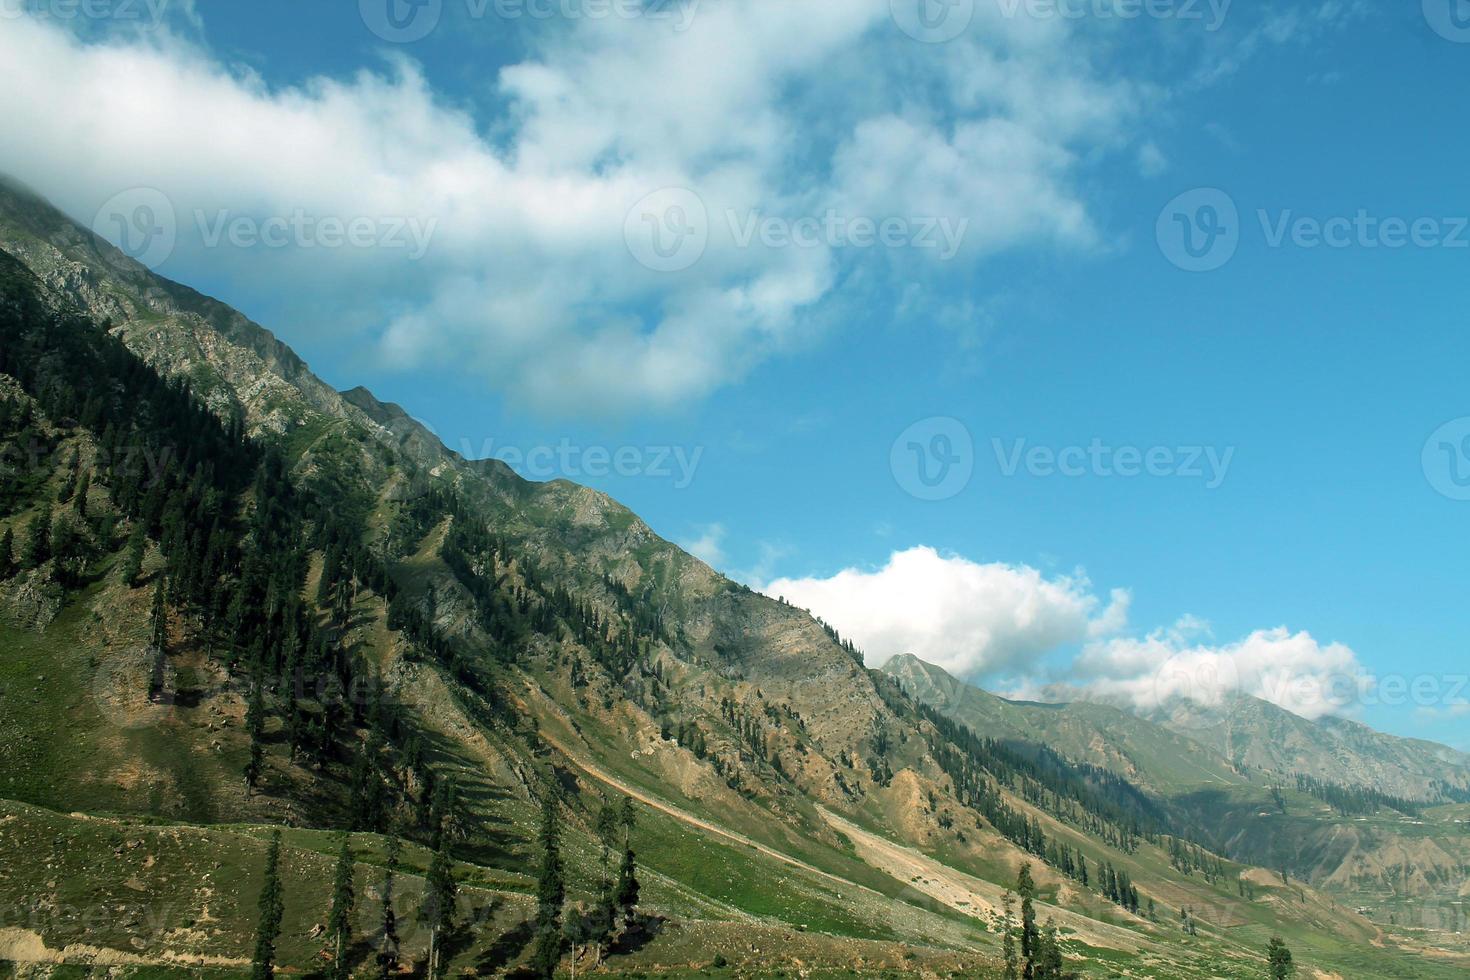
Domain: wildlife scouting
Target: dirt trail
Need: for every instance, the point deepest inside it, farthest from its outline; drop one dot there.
(603, 776)
(966, 893)
(25, 946)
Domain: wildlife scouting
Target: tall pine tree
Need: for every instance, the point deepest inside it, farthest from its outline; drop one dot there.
(437, 908)
(344, 903)
(7, 553)
(37, 550)
(272, 908)
(604, 915)
(132, 565)
(551, 890)
(388, 942)
(1026, 888)
(1008, 938)
(158, 624)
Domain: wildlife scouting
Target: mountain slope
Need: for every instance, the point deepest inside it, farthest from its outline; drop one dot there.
(391, 638)
(1144, 753)
(1400, 866)
(1259, 735)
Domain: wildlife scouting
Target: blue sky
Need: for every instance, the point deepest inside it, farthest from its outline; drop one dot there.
(1290, 524)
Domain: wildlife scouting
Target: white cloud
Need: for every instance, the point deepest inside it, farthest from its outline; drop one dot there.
(996, 619)
(708, 545)
(1292, 670)
(785, 109)
(968, 618)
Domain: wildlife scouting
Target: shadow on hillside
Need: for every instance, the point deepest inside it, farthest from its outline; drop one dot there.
(642, 931)
(506, 949)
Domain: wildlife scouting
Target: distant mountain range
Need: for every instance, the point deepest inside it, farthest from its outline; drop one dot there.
(1185, 743)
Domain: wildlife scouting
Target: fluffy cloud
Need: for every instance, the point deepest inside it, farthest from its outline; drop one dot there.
(968, 618)
(1292, 670)
(995, 619)
(784, 110)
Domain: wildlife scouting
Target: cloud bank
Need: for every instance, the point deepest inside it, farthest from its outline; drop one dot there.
(971, 619)
(785, 110)
(999, 621)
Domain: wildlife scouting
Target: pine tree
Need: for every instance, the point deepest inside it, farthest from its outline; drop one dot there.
(344, 903)
(272, 909)
(1049, 964)
(437, 909)
(550, 889)
(7, 553)
(628, 888)
(1279, 958)
(37, 548)
(255, 726)
(132, 565)
(388, 945)
(605, 914)
(158, 623)
(1026, 888)
(1008, 938)
(84, 487)
(69, 485)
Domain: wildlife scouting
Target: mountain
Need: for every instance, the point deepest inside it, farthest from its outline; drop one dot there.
(1259, 735)
(1378, 820)
(238, 599)
(1147, 754)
